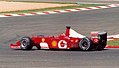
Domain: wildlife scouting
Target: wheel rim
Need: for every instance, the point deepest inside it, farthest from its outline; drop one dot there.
(85, 45)
(24, 43)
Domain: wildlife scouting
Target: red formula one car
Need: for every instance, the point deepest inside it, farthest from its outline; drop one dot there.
(69, 40)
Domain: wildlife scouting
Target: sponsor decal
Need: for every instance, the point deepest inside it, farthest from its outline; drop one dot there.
(43, 44)
(15, 47)
(62, 44)
(54, 43)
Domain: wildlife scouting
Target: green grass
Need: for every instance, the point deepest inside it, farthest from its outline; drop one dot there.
(53, 8)
(113, 43)
(43, 2)
(46, 2)
(7, 0)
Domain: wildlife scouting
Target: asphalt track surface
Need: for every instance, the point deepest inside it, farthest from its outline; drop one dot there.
(84, 22)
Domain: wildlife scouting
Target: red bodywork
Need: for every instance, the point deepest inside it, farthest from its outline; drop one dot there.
(67, 40)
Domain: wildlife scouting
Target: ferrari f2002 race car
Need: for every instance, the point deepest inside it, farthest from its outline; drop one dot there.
(68, 40)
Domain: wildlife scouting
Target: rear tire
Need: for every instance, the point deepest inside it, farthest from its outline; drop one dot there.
(26, 43)
(85, 44)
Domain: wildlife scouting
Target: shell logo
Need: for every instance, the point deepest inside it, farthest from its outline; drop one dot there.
(54, 43)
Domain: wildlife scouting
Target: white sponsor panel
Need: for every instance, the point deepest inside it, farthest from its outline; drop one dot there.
(44, 45)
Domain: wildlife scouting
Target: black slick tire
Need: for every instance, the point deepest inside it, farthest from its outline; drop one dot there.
(85, 44)
(26, 43)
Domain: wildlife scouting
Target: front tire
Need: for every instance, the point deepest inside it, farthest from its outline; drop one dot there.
(26, 43)
(85, 44)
